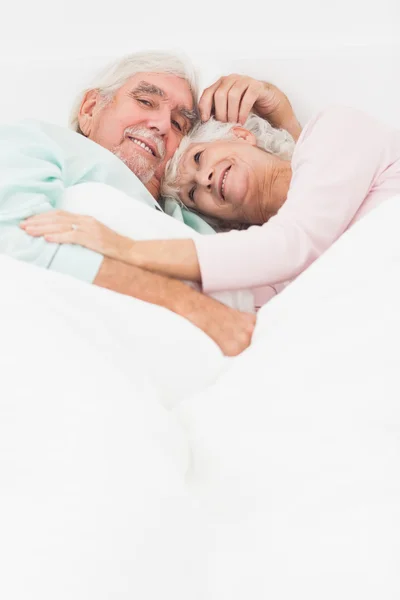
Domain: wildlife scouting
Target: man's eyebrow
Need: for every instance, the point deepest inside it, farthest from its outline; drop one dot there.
(190, 115)
(144, 87)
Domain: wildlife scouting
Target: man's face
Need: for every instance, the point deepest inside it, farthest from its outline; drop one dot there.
(143, 123)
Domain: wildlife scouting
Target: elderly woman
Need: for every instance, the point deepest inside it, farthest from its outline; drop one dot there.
(284, 213)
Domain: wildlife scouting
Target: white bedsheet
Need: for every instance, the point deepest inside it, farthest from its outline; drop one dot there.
(92, 496)
(297, 446)
(276, 474)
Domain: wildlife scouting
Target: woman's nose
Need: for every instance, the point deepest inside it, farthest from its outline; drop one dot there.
(205, 177)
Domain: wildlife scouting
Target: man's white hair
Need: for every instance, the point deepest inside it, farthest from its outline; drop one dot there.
(116, 74)
(275, 141)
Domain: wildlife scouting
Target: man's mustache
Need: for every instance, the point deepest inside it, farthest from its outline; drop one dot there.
(148, 135)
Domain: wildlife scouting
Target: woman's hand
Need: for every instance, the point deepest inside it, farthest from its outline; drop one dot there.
(63, 227)
(233, 97)
(175, 258)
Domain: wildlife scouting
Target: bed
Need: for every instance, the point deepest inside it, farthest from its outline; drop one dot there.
(138, 462)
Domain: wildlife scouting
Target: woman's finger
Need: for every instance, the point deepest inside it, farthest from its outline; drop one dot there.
(52, 218)
(39, 229)
(66, 237)
(247, 102)
(207, 99)
(56, 222)
(75, 236)
(235, 95)
(51, 214)
(221, 99)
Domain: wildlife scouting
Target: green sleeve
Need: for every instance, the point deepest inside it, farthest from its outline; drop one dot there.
(32, 181)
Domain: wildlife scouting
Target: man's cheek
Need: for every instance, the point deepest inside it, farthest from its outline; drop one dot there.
(161, 168)
(171, 147)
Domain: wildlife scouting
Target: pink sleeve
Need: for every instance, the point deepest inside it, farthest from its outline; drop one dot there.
(336, 160)
(263, 294)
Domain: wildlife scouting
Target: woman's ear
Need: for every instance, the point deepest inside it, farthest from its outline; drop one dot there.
(244, 134)
(87, 111)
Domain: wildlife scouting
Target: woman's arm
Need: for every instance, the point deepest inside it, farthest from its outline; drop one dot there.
(340, 156)
(175, 258)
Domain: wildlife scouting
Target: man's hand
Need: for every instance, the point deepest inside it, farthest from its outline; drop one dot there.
(233, 97)
(230, 329)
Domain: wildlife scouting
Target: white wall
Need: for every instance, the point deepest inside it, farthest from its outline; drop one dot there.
(319, 51)
(44, 27)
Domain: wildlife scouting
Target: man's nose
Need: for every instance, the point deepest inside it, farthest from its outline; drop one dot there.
(160, 121)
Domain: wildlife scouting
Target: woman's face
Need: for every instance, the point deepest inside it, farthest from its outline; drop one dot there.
(228, 179)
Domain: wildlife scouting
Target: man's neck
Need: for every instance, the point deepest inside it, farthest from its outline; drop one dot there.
(154, 188)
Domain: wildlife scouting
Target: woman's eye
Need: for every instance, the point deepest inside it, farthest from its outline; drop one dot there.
(177, 125)
(191, 193)
(197, 157)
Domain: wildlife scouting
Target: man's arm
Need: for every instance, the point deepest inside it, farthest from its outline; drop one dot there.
(230, 329)
(32, 181)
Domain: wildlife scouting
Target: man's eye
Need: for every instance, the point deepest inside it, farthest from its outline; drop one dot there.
(177, 125)
(191, 193)
(196, 157)
(145, 102)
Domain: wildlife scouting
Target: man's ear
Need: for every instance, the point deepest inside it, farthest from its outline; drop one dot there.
(87, 110)
(244, 134)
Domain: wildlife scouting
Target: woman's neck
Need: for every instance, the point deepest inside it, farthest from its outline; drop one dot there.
(279, 178)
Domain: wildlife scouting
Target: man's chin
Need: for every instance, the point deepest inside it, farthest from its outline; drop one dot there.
(144, 176)
(139, 165)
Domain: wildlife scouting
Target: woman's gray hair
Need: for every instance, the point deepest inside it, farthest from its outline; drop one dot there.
(116, 74)
(275, 141)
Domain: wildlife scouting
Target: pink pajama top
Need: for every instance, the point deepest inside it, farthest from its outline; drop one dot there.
(345, 164)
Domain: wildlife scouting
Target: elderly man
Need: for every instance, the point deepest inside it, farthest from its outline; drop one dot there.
(129, 122)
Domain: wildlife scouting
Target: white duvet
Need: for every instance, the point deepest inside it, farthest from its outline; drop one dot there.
(137, 462)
